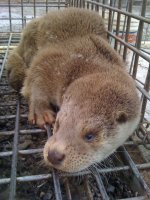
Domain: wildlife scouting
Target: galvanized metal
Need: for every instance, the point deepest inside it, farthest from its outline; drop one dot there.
(118, 25)
(139, 37)
(15, 155)
(143, 19)
(127, 28)
(9, 40)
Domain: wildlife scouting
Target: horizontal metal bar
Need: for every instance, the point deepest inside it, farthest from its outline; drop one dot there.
(134, 198)
(37, 6)
(11, 104)
(23, 132)
(27, 178)
(144, 19)
(47, 176)
(21, 152)
(7, 93)
(37, 131)
(139, 52)
(7, 104)
(12, 116)
(33, 4)
(143, 91)
(109, 170)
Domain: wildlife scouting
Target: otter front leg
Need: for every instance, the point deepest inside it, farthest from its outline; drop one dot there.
(39, 99)
(40, 113)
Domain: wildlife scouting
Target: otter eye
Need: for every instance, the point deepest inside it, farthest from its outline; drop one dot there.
(89, 137)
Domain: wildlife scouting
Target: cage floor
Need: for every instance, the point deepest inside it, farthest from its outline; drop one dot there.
(23, 174)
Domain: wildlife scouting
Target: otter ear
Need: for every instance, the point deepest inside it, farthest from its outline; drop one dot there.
(121, 117)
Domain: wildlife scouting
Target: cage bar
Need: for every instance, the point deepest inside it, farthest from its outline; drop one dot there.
(9, 39)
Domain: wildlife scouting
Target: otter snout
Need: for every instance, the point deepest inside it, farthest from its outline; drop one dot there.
(55, 157)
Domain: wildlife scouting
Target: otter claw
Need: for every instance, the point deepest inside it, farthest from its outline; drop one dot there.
(46, 117)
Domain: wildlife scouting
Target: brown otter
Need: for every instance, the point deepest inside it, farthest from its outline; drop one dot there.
(68, 63)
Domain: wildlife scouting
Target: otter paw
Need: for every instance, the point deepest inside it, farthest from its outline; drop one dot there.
(41, 118)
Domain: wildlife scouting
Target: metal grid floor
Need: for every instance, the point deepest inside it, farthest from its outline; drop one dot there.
(13, 120)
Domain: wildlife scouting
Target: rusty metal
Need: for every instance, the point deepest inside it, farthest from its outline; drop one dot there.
(9, 40)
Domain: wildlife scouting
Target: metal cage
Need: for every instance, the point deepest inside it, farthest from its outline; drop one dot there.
(125, 175)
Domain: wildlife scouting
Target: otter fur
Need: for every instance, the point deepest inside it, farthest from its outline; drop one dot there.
(64, 60)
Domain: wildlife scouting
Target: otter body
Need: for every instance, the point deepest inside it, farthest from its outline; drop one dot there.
(64, 60)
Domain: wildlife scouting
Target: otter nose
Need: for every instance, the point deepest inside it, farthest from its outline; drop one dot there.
(55, 157)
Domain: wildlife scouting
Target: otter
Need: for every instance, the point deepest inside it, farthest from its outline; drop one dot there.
(64, 60)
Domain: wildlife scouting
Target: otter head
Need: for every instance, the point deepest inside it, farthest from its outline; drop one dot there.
(96, 116)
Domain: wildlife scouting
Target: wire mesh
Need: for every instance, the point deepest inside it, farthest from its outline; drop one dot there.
(13, 116)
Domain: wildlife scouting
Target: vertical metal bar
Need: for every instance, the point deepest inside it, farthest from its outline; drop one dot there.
(134, 169)
(87, 5)
(6, 54)
(56, 185)
(48, 129)
(12, 192)
(55, 175)
(103, 10)
(83, 3)
(124, 25)
(76, 3)
(46, 2)
(139, 38)
(110, 20)
(131, 64)
(80, 4)
(58, 4)
(146, 87)
(92, 5)
(97, 6)
(100, 185)
(118, 25)
(87, 189)
(70, 3)
(69, 197)
(34, 8)
(127, 29)
(10, 21)
(22, 13)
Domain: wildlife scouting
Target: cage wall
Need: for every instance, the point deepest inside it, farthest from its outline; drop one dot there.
(128, 26)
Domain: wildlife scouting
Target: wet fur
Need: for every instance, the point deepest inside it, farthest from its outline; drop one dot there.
(67, 62)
